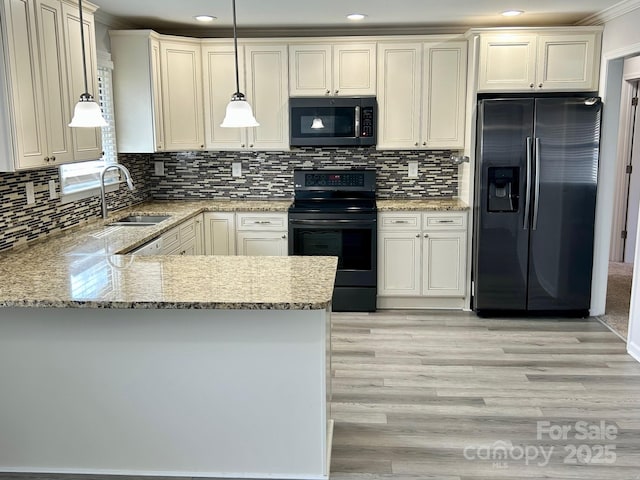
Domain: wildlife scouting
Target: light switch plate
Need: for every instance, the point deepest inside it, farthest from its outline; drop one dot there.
(413, 169)
(30, 192)
(53, 192)
(236, 169)
(158, 168)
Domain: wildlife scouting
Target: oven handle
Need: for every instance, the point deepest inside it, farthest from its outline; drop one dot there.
(327, 222)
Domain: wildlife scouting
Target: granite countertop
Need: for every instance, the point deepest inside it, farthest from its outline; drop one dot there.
(85, 267)
(434, 204)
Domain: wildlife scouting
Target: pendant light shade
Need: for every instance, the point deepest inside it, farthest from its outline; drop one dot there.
(239, 113)
(87, 112)
(317, 123)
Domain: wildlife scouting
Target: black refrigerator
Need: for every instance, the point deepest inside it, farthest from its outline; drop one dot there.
(536, 178)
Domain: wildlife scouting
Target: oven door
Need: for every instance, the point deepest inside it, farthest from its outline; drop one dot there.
(353, 241)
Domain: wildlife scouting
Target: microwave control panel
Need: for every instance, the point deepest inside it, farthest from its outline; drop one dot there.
(366, 122)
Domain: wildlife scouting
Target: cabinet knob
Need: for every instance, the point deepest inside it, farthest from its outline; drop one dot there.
(251, 145)
(417, 235)
(540, 85)
(284, 236)
(337, 91)
(183, 252)
(46, 159)
(242, 145)
(53, 159)
(424, 144)
(201, 146)
(415, 144)
(328, 92)
(426, 235)
(531, 85)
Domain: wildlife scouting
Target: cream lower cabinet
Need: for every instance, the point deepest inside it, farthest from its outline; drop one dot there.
(422, 259)
(219, 233)
(548, 60)
(421, 94)
(184, 239)
(262, 234)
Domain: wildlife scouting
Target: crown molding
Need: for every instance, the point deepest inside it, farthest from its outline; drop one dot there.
(608, 14)
(111, 21)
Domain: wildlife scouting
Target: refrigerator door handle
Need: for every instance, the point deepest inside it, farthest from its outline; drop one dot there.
(536, 198)
(527, 198)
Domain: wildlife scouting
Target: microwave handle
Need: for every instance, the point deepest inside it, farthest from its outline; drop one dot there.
(357, 121)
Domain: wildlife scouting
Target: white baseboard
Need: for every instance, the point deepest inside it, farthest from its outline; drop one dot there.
(634, 350)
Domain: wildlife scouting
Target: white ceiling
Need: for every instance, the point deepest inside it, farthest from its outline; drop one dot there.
(166, 15)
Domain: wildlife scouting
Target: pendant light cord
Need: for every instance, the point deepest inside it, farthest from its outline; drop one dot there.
(84, 55)
(235, 46)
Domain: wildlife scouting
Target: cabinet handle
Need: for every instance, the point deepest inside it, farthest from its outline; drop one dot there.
(426, 235)
(531, 85)
(445, 221)
(262, 222)
(400, 221)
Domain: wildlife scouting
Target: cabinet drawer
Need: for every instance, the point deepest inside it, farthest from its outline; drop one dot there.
(399, 221)
(187, 230)
(264, 222)
(170, 241)
(444, 221)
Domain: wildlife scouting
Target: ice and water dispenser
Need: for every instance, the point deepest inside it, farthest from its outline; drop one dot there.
(503, 189)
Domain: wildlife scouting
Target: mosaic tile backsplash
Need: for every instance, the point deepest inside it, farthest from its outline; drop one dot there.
(194, 175)
(21, 223)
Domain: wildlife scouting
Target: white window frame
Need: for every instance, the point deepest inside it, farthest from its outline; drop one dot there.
(87, 174)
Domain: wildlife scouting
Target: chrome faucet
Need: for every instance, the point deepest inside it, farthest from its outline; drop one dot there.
(127, 175)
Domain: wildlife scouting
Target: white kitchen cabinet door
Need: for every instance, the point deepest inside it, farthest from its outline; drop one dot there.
(156, 97)
(181, 67)
(266, 72)
(568, 62)
(219, 85)
(354, 69)
(399, 95)
(262, 243)
(399, 263)
(199, 230)
(444, 94)
(219, 233)
(55, 82)
(24, 140)
(507, 62)
(311, 72)
(444, 256)
(87, 141)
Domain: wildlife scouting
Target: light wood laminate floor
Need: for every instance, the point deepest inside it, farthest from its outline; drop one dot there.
(438, 395)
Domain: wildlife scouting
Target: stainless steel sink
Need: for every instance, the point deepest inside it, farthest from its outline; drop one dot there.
(140, 220)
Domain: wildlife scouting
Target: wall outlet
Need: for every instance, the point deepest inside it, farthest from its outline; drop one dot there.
(30, 192)
(413, 169)
(236, 169)
(158, 168)
(53, 192)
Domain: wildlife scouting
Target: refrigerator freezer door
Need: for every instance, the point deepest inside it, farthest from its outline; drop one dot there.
(567, 133)
(501, 224)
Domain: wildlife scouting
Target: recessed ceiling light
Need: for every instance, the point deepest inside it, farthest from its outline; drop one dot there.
(204, 18)
(356, 16)
(512, 13)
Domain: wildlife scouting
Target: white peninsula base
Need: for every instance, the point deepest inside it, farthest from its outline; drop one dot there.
(210, 393)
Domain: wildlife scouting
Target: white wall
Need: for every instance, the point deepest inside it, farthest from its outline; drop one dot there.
(621, 39)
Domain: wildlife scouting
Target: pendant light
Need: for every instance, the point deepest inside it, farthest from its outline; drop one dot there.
(87, 112)
(239, 113)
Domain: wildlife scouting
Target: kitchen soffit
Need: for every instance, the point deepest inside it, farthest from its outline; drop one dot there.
(262, 16)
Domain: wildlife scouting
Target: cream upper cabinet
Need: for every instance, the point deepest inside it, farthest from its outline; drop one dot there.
(344, 69)
(263, 80)
(137, 86)
(38, 73)
(548, 61)
(421, 95)
(183, 112)
(87, 141)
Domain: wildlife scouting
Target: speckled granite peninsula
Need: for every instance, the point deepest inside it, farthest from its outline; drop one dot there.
(408, 204)
(195, 366)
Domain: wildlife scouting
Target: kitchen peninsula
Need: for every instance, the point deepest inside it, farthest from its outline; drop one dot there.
(212, 366)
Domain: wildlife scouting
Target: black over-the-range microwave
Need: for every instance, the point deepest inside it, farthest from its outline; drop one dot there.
(333, 121)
